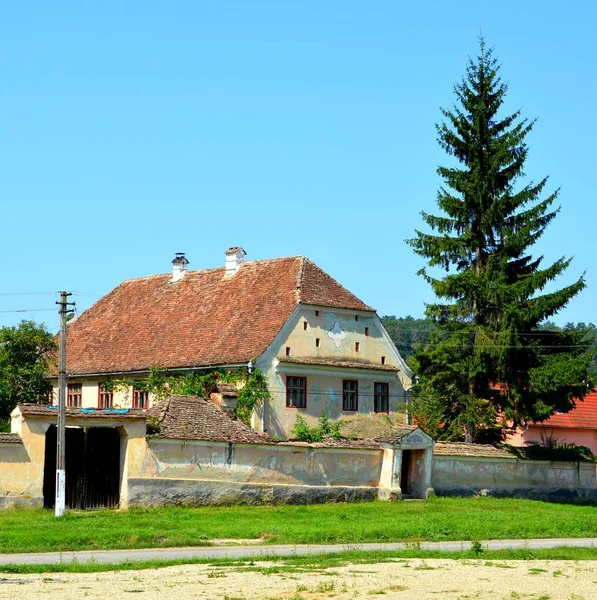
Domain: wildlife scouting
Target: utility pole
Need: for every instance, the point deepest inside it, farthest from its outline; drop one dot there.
(59, 505)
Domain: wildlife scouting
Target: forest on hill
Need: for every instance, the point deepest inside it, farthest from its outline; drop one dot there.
(412, 335)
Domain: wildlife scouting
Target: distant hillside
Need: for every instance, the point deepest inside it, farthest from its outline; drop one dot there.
(410, 335)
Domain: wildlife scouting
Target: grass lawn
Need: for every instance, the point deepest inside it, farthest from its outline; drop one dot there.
(434, 520)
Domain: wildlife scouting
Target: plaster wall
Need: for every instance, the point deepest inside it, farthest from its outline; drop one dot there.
(465, 476)
(22, 466)
(123, 398)
(568, 435)
(338, 333)
(261, 464)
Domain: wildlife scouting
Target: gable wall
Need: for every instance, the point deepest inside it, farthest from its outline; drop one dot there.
(338, 332)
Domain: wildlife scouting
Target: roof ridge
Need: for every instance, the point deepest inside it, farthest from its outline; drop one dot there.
(212, 269)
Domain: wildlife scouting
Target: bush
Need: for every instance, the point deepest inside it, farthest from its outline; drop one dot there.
(324, 429)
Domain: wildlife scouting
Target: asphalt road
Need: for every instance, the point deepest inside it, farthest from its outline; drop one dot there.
(116, 556)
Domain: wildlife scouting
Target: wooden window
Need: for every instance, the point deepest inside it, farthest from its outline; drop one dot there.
(357, 347)
(317, 342)
(381, 397)
(74, 395)
(296, 392)
(105, 397)
(140, 398)
(48, 397)
(350, 394)
(287, 350)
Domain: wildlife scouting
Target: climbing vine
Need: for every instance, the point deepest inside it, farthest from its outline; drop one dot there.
(252, 388)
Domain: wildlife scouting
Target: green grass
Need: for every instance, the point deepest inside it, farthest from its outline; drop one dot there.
(316, 563)
(436, 519)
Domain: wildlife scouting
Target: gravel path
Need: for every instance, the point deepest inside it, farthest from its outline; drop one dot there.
(437, 579)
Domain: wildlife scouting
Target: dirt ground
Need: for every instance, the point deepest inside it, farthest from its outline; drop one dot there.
(418, 579)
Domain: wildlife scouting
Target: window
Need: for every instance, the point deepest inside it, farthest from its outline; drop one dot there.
(305, 325)
(287, 350)
(317, 342)
(350, 394)
(316, 313)
(105, 397)
(356, 317)
(357, 347)
(296, 392)
(140, 398)
(366, 331)
(74, 395)
(381, 397)
(383, 360)
(48, 397)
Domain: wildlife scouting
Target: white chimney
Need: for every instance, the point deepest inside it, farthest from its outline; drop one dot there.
(234, 259)
(179, 266)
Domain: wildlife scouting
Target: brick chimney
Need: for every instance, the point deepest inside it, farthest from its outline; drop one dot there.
(179, 266)
(225, 395)
(234, 259)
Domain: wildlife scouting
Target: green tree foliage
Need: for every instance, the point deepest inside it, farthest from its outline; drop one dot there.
(492, 293)
(25, 355)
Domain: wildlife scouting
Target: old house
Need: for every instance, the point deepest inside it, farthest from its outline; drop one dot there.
(319, 346)
(579, 427)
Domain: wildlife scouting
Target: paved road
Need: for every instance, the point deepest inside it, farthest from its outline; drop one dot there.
(116, 556)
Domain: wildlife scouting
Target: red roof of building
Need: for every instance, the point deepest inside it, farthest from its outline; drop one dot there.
(205, 319)
(583, 416)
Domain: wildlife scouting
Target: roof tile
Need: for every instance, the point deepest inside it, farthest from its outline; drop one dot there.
(583, 416)
(205, 319)
(192, 418)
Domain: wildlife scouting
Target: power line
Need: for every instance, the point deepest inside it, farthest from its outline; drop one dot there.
(28, 293)
(24, 310)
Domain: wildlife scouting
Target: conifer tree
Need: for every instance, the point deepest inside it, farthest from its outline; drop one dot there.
(487, 357)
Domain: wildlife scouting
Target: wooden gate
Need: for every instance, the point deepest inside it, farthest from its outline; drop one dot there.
(92, 467)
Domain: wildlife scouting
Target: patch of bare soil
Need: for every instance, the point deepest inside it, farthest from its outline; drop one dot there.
(401, 579)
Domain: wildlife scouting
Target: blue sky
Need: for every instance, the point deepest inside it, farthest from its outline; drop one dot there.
(133, 130)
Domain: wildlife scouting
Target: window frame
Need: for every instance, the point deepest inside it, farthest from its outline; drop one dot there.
(386, 394)
(140, 393)
(100, 393)
(71, 394)
(290, 398)
(346, 391)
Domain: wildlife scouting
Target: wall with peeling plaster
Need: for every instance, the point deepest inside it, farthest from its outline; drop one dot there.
(264, 464)
(159, 471)
(544, 480)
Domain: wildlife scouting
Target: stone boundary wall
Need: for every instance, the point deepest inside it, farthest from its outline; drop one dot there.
(177, 472)
(514, 478)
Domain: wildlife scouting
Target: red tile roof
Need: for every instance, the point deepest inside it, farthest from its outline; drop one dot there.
(583, 416)
(205, 319)
(192, 418)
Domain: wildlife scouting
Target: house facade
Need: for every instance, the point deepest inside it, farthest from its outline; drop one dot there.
(578, 426)
(320, 347)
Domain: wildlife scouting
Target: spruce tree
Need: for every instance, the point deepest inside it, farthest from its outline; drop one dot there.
(487, 357)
